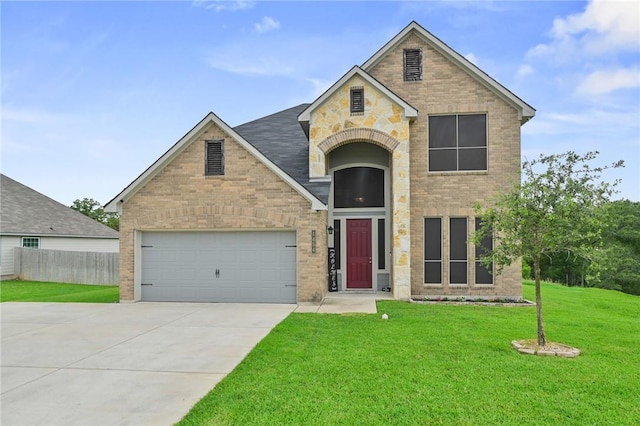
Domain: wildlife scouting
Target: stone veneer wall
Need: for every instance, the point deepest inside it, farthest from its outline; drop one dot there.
(248, 197)
(445, 88)
(332, 119)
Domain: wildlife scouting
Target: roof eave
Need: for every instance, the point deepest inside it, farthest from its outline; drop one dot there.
(525, 111)
(115, 205)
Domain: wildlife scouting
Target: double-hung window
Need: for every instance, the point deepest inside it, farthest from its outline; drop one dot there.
(458, 250)
(483, 274)
(457, 142)
(433, 250)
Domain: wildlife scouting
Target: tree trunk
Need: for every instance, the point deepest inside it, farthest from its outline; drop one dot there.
(541, 337)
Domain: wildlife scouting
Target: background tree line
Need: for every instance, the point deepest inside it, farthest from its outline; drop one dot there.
(615, 265)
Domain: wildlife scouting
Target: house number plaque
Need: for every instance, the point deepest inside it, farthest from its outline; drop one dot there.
(333, 273)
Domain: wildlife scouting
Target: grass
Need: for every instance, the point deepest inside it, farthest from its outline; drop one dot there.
(440, 364)
(31, 291)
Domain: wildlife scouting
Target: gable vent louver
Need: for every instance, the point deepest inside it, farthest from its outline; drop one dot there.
(412, 64)
(214, 161)
(357, 100)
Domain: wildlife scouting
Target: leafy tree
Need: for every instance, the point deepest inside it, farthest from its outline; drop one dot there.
(553, 210)
(93, 209)
(617, 264)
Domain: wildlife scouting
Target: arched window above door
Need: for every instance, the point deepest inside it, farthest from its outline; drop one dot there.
(358, 187)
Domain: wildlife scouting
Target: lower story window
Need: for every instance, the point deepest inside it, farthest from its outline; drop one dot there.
(433, 250)
(458, 250)
(31, 242)
(483, 274)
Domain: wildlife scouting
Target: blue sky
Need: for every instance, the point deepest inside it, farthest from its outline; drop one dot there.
(94, 92)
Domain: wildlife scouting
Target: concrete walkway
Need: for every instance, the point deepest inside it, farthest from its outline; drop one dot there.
(343, 303)
(121, 364)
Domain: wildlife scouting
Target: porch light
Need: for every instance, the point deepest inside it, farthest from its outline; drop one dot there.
(330, 230)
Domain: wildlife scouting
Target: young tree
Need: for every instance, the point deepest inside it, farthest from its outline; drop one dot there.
(93, 209)
(553, 210)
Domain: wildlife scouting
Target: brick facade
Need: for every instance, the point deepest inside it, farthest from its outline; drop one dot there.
(248, 197)
(447, 89)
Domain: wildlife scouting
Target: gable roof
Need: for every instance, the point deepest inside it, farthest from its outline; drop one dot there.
(25, 211)
(305, 116)
(186, 140)
(280, 137)
(525, 111)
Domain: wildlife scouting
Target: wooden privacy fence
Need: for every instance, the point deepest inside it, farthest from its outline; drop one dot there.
(80, 267)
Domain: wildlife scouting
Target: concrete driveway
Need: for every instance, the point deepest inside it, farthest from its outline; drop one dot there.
(121, 364)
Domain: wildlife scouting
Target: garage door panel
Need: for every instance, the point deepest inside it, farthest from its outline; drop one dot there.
(250, 266)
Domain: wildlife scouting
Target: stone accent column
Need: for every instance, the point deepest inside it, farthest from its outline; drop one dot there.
(401, 222)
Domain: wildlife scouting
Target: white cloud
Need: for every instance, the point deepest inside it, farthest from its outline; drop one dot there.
(31, 116)
(604, 27)
(220, 5)
(524, 71)
(267, 24)
(604, 82)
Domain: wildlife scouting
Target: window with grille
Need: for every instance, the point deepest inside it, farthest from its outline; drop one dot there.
(412, 64)
(457, 142)
(357, 100)
(214, 158)
(31, 242)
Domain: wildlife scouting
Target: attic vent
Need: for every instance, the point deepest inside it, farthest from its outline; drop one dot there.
(412, 64)
(357, 100)
(214, 158)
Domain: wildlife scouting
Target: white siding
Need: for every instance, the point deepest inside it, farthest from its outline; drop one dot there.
(102, 245)
(7, 244)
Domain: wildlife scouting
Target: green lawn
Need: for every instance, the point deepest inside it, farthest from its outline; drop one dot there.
(30, 291)
(440, 364)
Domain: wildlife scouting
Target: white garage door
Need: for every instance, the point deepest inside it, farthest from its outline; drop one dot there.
(219, 267)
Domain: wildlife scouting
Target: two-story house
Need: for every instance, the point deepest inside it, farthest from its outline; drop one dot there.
(370, 187)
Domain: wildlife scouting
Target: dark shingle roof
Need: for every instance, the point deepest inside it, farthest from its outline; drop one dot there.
(281, 139)
(24, 211)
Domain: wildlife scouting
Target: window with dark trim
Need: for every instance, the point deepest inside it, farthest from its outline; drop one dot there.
(381, 245)
(357, 100)
(457, 142)
(336, 241)
(412, 64)
(458, 250)
(358, 187)
(214, 158)
(433, 250)
(483, 274)
(31, 242)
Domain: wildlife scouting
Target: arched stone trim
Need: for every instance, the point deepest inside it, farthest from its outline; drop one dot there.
(358, 134)
(211, 217)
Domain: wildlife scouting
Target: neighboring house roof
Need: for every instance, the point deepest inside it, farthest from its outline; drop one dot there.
(193, 134)
(25, 211)
(409, 111)
(525, 111)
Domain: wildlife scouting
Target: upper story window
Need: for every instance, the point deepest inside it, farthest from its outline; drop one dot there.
(31, 242)
(214, 158)
(358, 187)
(412, 64)
(457, 142)
(357, 100)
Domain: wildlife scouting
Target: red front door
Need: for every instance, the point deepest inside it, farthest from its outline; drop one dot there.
(359, 253)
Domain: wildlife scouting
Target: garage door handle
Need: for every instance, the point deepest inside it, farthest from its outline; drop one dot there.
(145, 284)
(289, 285)
(217, 273)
